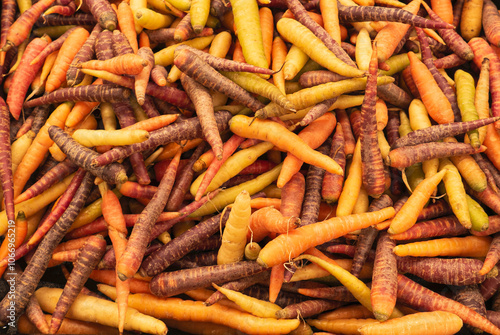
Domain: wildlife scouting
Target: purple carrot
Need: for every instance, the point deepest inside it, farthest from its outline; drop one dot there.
(77, 19)
(181, 245)
(97, 93)
(130, 261)
(164, 35)
(28, 281)
(440, 227)
(185, 130)
(82, 156)
(103, 13)
(6, 162)
(349, 14)
(308, 308)
(438, 132)
(449, 62)
(171, 283)
(121, 45)
(471, 297)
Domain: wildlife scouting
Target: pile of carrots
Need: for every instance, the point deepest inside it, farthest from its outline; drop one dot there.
(250, 166)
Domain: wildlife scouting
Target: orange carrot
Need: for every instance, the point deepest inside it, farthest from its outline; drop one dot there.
(126, 21)
(408, 214)
(313, 135)
(444, 9)
(292, 244)
(64, 58)
(469, 246)
(269, 220)
(113, 215)
(14, 237)
(438, 106)
(21, 28)
(131, 64)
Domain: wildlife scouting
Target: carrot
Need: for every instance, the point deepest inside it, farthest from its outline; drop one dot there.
(416, 296)
(68, 326)
(6, 155)
(65, 56)
(35, 314)
(25, 75)
(90, 254)
(269, 219)
(101, 311)
(188, 62)
(125, 18)
(82, 156)
(492, 257)
(322, 55)
(403, 157)
(437, 322)
(313, 135)
(471, 297)
(332, 183)
(444, 226)
(35, 269)
(439, 132)
(490, 20)
(103, 13)
(129, 262)
(15, 236)
(405, 218)
(268, 130)
(454, 271)
(235, 231)
(284, 246)
(21, 27)
(307, 308)
(188, 310)
(189, 129)
(124, 64)
(439, 108)
(469, 246)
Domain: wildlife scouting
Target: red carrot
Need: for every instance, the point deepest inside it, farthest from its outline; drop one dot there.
(103, 13)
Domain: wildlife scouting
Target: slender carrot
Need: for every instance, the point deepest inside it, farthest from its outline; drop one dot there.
(417, 296)
(88, 258)
(130, 261)
(469, 246)
(284, 246)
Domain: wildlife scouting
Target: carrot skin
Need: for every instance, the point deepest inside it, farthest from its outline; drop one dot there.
(440, 227)
(103, 13)
(471, 297)
(6, 161)
(491, 22)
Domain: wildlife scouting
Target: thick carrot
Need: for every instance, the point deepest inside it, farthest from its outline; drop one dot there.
(449, 271)
(131, 64)
(88, 258)
(103, 13)
(65, 56)
(284, 139)
(21, 28)
(404, 157)
(99, 310)
(417, 296)
(234, 235)
(6, 159)
(82, 156)
(125, 18)
(288, 245)
(188, 310)
(443, 226)
(25, 74)
(490, 20)
(433, 98)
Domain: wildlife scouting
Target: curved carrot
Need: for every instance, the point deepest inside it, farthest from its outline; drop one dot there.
(65, 56)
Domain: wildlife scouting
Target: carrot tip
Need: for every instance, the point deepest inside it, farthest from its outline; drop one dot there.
(380, 316)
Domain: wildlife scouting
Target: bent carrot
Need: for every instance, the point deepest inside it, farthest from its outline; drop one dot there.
(291, 245)
(278, 135)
